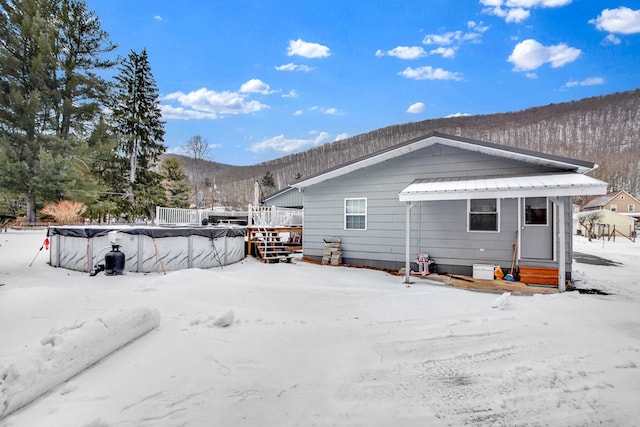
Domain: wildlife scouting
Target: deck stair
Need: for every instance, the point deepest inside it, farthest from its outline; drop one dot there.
(539, 275)
(268, 245)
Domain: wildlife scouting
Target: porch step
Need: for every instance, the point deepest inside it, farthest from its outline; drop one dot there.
(539, 275)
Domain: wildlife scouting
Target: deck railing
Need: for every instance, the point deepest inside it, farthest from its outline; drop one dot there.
(178, 216)
(274, 216)
(260, 216)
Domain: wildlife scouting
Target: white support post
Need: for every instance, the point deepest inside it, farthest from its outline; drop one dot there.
(407, 250)
(559, 205)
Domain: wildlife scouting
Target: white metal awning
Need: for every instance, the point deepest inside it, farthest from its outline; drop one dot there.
(544, 185)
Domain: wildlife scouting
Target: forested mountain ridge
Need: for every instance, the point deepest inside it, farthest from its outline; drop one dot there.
(603, 129)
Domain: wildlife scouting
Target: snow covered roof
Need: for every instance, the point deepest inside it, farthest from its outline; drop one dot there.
(504, 151)
(544, 185)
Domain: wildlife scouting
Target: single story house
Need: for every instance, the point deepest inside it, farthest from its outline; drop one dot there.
(619, 201)
(459, 200)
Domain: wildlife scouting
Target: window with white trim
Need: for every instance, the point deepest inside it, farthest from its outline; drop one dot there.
(614, 208)
(631, 207)
(536, 211)
(483, 215)
(355, 214)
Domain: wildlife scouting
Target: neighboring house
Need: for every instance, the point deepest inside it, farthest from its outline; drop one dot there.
(287, 197)
(619, 201)
(606, 222)
(461, 201)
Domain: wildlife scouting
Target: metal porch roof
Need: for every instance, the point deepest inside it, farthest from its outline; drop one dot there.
(545, 185)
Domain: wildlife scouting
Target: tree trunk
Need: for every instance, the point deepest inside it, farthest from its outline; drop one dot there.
(31, 208)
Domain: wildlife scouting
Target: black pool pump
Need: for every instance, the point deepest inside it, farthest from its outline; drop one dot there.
(114, 261)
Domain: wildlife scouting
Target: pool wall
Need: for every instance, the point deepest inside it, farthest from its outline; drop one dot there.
(147, 249)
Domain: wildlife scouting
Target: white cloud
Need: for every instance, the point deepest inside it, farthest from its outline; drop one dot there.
(430, 73)
(531, 76)
(307, 50)
(619, 21)
(589, 81)
(416, 108)
(331, 111)
(294, 67)
(445, 52)
(289, 145)
(517, 15)
(341, 136)
(208, 104)
(404, 52)
(530, 4)
(457, 115)
(298, 113)
(291, 94)
(256, 86)
(158, 18)
(611, 39)
(449, 42)
(530, 55)
(517, 10)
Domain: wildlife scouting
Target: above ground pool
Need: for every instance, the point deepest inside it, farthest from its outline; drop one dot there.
(146, 249)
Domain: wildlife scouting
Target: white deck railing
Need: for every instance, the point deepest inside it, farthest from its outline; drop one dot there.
(178, 216)
(261, 216)
(275, 216)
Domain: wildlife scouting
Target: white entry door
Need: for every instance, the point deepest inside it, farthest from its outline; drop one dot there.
(537, 229)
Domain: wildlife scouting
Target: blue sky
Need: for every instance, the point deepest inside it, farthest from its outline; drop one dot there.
(262, 79)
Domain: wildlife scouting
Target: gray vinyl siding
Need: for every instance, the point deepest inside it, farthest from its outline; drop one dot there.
(438, 228)
(291, 198)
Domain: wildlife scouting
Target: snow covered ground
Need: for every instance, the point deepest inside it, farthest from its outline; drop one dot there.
(298, 344)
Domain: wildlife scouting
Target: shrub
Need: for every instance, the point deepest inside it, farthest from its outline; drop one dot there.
(65, 212)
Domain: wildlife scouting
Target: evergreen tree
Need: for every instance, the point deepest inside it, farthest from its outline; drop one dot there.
(268, 183)
(175, 183)
(47, 91)
(140, 132)
(107, 170)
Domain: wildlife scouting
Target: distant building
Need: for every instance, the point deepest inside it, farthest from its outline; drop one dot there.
(620, 202)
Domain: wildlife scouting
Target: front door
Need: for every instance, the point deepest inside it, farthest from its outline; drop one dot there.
(537, 229)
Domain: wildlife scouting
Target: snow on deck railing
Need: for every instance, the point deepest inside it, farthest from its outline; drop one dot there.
(274, 216)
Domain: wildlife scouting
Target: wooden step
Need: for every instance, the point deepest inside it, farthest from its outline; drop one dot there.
(539, 275)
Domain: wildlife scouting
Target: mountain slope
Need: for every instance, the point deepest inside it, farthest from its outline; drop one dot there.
(603, 129)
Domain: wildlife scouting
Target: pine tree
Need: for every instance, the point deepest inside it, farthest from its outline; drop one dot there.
(268, 183)
(175, 183)
(140, 132)
(48, 94)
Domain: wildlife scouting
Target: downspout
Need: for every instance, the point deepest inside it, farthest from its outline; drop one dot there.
(407, 249)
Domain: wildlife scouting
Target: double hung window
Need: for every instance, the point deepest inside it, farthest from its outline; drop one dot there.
(355, 214)
(483, 215)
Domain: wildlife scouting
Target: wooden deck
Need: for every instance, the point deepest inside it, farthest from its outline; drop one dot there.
(498, 286)
(268, 244)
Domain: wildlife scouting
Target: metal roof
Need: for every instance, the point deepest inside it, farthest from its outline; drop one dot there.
(543, 185)
(432, 138)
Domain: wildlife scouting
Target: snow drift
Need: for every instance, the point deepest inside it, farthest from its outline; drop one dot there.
(67, 351)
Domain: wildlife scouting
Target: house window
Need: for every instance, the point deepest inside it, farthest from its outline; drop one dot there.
(355, 214)
(483, 214)
(535, 211)
(614, 208)
(631, 208)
